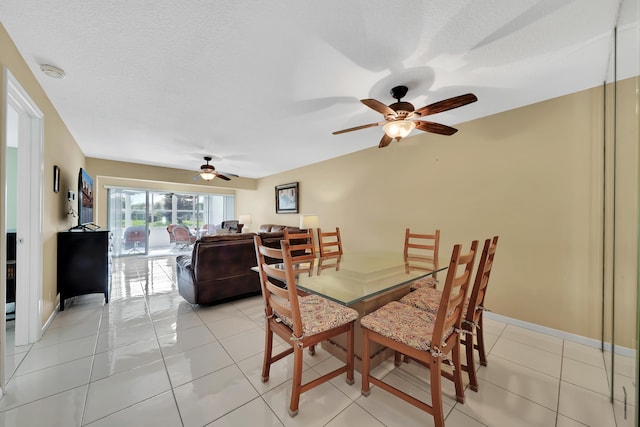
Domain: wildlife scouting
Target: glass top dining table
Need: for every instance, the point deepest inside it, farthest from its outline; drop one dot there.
(357, 276)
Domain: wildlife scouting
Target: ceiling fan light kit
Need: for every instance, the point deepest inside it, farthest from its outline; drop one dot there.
(398, 125)
(207, 176)
(399, 128)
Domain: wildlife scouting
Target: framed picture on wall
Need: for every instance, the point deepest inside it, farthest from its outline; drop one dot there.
(56, 178)
(287, 198)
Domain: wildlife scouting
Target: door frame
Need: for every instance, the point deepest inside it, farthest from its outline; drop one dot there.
(29, 248)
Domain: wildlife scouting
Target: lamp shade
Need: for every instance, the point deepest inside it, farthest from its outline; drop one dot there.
(399, 128)
(308, 221)
(244, 219)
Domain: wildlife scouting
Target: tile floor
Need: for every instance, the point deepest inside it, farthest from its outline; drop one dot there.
(150, 358)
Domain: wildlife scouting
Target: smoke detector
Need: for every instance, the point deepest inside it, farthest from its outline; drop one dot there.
(52, 71)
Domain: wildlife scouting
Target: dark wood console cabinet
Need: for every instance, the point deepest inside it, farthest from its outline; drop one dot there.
(84, 264)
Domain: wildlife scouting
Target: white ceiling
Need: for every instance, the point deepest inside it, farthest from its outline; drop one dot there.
(261, 85)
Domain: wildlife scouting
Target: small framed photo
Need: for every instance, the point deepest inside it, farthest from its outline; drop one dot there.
(287, 198)
(56, 179)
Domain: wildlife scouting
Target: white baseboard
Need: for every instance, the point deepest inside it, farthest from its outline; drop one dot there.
(622, 351)
(50, 319)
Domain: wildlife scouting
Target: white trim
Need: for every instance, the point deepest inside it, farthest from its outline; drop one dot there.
(28, 323)
(579, 339)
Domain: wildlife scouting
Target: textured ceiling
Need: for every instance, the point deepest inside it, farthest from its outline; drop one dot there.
(261, 85)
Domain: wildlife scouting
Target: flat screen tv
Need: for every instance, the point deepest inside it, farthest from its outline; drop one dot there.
(85, 198)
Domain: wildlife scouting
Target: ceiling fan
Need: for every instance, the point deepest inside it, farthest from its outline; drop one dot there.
(208, 172)
(398, 125)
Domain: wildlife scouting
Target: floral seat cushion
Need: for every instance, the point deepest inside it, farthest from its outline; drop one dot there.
(403, 323)
(428, 299)
(424, 282)
(320, 314)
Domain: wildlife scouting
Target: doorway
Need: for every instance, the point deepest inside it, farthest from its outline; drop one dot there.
(22, 123)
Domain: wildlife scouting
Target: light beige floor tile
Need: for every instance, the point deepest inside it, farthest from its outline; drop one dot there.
(11, 363)
(73, 317)
(61, 409)
(114, 338)
(354, 415)
(492, 326)
(317, 406)
(160, 410)
(534, 339)
(44, 357)
(185, 339)
(586, 406)
(196, 362)
(123, 358)
(213, 313)
(245, 344)
(460, 419)
(179, 322)
(525, 382)
(280, 371)
(623, 365)
(497, 407)
(255, 413)
(106, 396)
(585, 375)
(567, 422)
(125, 313)
(68, 333)
(230, 325)
(210, 397)
(585, 354)
(46, 382)
(526, 355)
(624, 418)
(393, 411)
(622, 384)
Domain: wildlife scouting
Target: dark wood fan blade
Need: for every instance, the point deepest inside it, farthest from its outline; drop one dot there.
(219, 175)
(356, 128)
(434, 127)
(386, 140)
(447, 104)
(229, 174)
(378, 106)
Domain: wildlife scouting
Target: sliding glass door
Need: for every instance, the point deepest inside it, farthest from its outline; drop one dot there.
(141, 220)
(128, 221)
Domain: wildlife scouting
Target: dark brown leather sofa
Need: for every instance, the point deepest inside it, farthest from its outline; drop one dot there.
(219, 268)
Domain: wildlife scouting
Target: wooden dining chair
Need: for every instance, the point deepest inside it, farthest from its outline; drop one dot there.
(421, 254)
(302, 248)
(330, 243)
(429, 299)
(419, 334)
(300, 321)
(329, 263)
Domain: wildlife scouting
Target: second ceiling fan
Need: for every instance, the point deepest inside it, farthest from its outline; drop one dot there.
(398, 123)
(207, 172)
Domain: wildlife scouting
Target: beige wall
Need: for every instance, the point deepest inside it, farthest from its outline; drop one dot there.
(533, 176)
(59, 149)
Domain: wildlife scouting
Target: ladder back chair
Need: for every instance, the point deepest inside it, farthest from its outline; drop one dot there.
(424, 337)
(300, 321)
(330, 243)
(428, 299)
(421, 254)
(302, 249)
